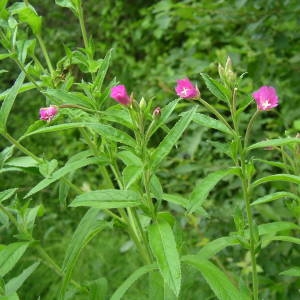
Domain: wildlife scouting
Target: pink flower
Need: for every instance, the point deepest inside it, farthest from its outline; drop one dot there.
(265, 97)
(48, 113)
(119, 94)
(185, 89)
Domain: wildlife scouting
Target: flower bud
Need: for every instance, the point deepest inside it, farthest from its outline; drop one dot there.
(119, 94)
(48, 113)
(156, 112)
(142, 104)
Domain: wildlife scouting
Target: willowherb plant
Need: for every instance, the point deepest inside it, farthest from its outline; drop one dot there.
(117, 139)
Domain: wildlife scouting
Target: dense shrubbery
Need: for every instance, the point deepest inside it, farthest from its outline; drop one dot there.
(164, 159)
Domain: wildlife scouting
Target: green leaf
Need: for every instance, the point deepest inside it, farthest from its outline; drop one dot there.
(64, 97)
(9, 101)
(107, 199)
(13, 296)
(272, 163)
(55, 128)
(66, 3)
(130, 159)
(69, 167)
(88, 227)
(102, 71)
(277, 177)
(204, 186)
(24, 88)
(215, 246)
(6, 55)
(6, 194)
(275, 196)
(172, 137)
(164, 116)
(131, 174)
(22, 162)
(209, 122)
(28, 15)
(274, 227)
(113, 134)
(216, 279)
(295, 271)
(176, 199)
(106, 131)
(274, 143)
(122, 289)
(3, 4)
(119, 115)
(98, 289)
(216, 88)
(163, 246)
(15, 283)
(9, 256)
(25, 46)
(289, 239)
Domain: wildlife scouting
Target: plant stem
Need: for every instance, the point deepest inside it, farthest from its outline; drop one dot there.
(82, 25)
(21, 66)
(251, 229)
(215, 112)
(52, 264)
(21, 148)
(249, 128)
(10, 216)
(246, 186)
(45, 53)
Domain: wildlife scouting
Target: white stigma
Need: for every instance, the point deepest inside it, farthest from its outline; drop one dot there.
(265, 104)
(184, 91)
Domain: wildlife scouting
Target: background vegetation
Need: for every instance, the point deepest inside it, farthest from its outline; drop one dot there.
(154, 43)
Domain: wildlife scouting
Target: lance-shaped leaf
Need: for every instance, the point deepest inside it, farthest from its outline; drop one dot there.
(9, 101)
(277, 177)
(102, 71)
(64, 97)
(106, 199)
(119, 293)
(295, 271)
(274, 227)
(88, 227)
(204, 186)
(28, 15)
(6, 194)
(209, 122)
(24, 88)
(163, 246)
(266, 240)
(172, 137)
(216, 88)
(216, 279)
(275, 196)
(15, 283)
(10, 255)
(215, 246)
(274, 143)
(68, 168)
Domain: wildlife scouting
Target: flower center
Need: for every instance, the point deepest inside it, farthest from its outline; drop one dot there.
(265, 104)
(184, 91)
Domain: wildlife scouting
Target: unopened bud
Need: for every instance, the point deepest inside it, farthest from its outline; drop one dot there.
(142, 104)
(156, 112)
